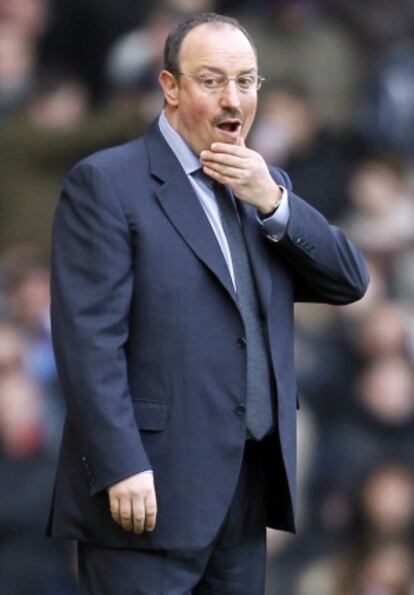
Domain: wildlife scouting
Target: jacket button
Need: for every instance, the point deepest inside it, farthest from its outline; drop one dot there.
(240, 409)
(241, 342)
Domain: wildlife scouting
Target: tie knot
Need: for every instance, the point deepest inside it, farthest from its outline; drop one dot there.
(220, 187)
(200, 175)
(222, 192)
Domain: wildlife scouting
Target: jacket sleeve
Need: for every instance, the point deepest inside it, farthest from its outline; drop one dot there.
(325, 266)
(91, 289)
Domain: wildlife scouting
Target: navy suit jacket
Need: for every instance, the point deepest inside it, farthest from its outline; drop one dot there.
(146, 333)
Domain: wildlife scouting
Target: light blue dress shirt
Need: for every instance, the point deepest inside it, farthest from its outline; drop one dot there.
(273, 226)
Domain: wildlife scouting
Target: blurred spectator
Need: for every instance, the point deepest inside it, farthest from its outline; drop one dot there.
(11, 349)
(375, 23)
(377, 551)
(21, 423)
(378, 425)
(386, 115)
(28, 299)
(386, 390)
(381, 221)
(16, 70)
(39, 145)
(386, 568)
(22, 22)
(289, 133)
(80, 33)
(58, 103)
(29, 564)
(27, 17)
(386, 503)
(403, 281)
(384, 331)
(295, 42)
(135, 59)
(378, 291)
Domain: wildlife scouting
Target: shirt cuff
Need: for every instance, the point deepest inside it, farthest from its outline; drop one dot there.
(275, 225)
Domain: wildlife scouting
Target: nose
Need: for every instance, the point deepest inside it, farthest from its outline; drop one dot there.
(230, 96)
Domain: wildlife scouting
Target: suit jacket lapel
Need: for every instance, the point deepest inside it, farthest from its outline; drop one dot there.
(182, 207)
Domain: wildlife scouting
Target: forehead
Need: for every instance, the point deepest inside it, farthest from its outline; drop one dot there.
(216, 45)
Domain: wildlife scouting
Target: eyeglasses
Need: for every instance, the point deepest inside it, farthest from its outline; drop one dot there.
(214, 83)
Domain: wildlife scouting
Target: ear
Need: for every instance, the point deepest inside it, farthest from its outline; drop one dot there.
(169, 85)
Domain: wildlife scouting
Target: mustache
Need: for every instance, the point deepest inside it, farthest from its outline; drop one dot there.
(231, 114)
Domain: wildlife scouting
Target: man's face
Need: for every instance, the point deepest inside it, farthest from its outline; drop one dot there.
(202, 117)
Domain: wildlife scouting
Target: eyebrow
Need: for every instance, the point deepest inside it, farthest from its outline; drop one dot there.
(220, 71)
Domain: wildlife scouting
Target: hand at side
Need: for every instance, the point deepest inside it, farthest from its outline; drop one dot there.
(133, 502)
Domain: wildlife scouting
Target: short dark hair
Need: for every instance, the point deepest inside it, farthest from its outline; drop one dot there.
(176, 37)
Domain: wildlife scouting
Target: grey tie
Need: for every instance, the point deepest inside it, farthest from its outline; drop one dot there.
(259, 392)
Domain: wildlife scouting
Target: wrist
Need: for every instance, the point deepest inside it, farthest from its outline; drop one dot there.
(271, 205)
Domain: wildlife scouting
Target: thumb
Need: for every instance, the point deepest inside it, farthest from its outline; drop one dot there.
(240, 141)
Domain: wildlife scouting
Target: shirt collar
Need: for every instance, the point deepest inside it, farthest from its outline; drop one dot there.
(187, 158)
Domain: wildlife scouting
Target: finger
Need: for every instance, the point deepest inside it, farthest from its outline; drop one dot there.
(138, 514)
(240, 142)
(150, 512)
(216, 176)
(240, 151)
(229, 172)
(125, 513)
(223, 158)
(114, 508)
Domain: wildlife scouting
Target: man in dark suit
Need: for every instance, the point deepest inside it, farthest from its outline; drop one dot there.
(176, 262)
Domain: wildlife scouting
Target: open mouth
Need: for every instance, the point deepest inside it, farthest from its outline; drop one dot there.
(230, 126)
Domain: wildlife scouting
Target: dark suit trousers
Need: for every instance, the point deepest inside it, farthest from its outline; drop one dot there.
(234, 564)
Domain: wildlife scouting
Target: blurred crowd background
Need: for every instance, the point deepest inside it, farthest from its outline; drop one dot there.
(337, 112)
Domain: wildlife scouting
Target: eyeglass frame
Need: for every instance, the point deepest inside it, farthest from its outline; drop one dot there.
(200, 78)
